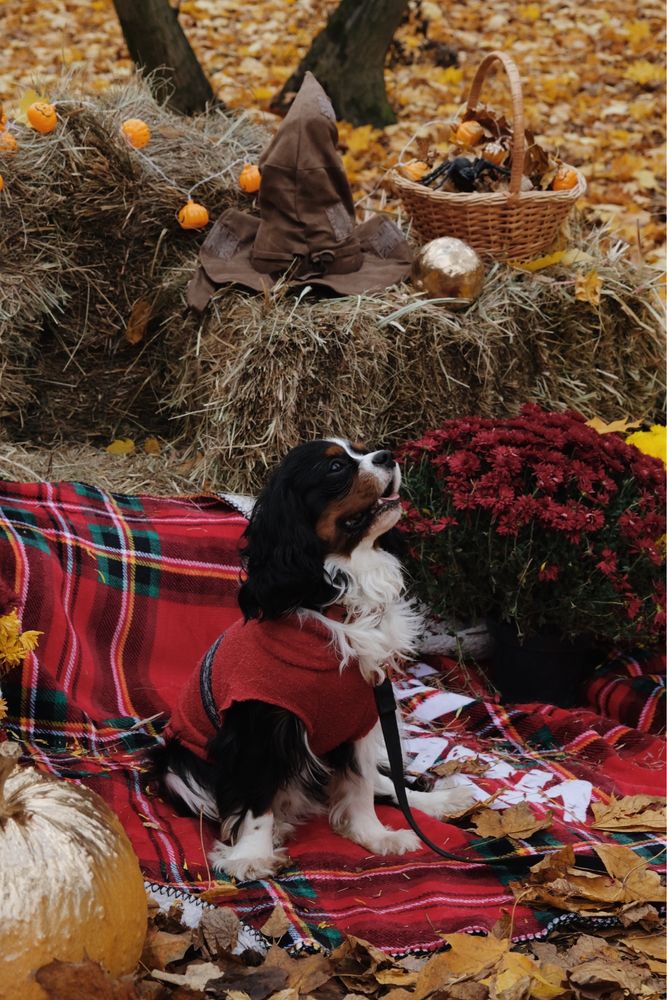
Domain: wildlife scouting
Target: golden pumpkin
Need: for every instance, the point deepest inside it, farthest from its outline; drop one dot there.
(136, 132)
(70, 884)
(42, 116)
(193, 215)
(566, 178)
(250, 178)
(8, 143)
(469, 133)
(415, 170)
(494, 152)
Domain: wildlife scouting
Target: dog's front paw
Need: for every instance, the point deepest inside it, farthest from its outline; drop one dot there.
(225, 857)
(390, 842)
(453, 801)
(443, 802)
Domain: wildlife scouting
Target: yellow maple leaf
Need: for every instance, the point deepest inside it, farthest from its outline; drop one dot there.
(643, 72)
(121, 446)
(29, 97)
(359, 139)
(588, 288)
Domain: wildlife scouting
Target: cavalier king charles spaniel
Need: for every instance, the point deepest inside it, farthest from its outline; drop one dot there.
(279, 722)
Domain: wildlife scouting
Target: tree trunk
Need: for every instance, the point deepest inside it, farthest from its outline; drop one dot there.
(348, 57)
(156, 42)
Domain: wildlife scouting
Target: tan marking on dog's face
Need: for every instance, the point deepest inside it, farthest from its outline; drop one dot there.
(365, 492)
(334, 451)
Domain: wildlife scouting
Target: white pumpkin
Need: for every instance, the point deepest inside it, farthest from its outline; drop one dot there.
(70, 883)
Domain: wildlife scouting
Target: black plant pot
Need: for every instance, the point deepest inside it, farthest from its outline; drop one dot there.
(542, 667)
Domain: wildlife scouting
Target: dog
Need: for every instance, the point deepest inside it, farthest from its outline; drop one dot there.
(278, 722)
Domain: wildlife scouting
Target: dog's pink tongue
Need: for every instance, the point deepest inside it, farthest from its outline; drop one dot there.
(394, 496)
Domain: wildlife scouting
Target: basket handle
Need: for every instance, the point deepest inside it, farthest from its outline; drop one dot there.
(518, 134)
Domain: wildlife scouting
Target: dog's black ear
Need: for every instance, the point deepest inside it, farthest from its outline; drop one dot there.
(282, 556)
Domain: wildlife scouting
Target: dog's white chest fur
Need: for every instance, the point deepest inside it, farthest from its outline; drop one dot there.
(382, 627)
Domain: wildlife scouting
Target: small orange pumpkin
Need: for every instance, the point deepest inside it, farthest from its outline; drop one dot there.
(2, 182)
(494, 152)
(414, 171)
(8, 143)
(469, 133)
(250, 178)
(42, 116)
(136, 132)
(193, 215)
(565, 179)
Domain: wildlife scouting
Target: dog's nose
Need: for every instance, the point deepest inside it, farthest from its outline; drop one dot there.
(383, 458)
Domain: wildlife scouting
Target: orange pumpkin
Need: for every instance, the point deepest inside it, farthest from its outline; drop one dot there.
(8, 143)
(565, 179)
(469, 133)
(193, 215)
(136, 132)
(2, 182)
(42, 116)
(414, 171)
(250, 178)
(494, 152)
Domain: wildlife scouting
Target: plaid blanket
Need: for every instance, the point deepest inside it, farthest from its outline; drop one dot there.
(130, 591)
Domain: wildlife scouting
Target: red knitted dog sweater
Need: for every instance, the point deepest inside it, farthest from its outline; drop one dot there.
(286, 662)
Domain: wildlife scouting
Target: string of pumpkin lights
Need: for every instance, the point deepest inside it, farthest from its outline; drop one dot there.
(42, 116)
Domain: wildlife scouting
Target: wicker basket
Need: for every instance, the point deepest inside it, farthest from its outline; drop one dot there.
(503, 225)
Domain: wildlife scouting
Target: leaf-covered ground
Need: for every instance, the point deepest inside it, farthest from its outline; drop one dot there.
(628, 961)
(593, 77)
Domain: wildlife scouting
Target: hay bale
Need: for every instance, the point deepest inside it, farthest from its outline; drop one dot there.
(263, 373)
(89, 239)
(89, 230)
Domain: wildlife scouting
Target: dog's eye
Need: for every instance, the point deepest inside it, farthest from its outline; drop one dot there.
(336, 466)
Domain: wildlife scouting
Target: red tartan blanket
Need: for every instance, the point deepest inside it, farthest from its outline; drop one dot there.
(130, 591)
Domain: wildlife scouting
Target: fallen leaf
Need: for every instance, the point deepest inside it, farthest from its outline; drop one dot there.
(519, 822)
(653, 945)
(587, 288)
(469, 956)
(217, 932)
(635, 813)
(196, 976)
(639, 913)
(304, 974)
(138, 320)
(121, 446)
(152, 446)
(278, 923)
(638, 881)
(614, 427)
(161, 947)
(597, 973)
(219, 893)
(466, 765)
(540, 262)
(258, 984)
(67, 980)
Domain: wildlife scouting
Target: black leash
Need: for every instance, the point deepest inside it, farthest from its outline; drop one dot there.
(386, 706)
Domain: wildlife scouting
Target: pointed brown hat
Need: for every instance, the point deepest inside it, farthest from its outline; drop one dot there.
(306, 227)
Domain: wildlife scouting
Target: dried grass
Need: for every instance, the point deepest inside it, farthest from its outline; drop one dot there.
(89, 231)
(261, 374)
